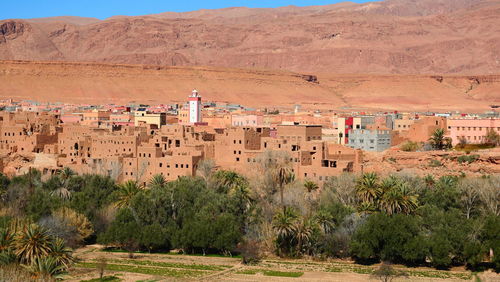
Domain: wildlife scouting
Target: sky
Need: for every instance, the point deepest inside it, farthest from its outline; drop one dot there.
(106, 8)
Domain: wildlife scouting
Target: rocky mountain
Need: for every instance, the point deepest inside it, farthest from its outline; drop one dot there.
(389, 37)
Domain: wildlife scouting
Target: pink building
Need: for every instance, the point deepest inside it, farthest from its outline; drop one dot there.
(473, 131)
(246, 120)
(122, 119)
(71, 118)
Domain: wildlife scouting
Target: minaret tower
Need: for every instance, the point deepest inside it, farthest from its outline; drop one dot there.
(194, 107)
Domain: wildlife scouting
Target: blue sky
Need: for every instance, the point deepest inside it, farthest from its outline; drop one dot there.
(107, 8)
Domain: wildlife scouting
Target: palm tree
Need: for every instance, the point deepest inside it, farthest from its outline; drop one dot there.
(66, 174)
(398, 199)
(310, 186)
(438, 140)
(303, 233)
(32, 243)
(61, 253)
(244, 196)
(368, 189)
(410, 200)
(126, 192)
(283, 176)
(229, 180)
(391, 201)
(367, 208)
(45, 267)
(157, 181)
(325, 221)
(63, 191)
(284, 223)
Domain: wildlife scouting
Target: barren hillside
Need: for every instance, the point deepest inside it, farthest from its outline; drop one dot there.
(97, 82)
(389, 37)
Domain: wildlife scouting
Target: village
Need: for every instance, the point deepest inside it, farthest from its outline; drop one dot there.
(135, 142)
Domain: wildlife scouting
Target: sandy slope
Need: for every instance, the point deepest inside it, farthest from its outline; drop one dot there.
(99, 83)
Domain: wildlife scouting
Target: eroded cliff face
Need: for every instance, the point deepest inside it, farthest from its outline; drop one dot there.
(389, 37)
(112, 83)
(10, 30)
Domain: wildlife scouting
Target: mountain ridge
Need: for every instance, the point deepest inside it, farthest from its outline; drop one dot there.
(388, 37)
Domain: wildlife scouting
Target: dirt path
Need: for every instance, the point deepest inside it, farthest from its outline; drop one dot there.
(221, 274)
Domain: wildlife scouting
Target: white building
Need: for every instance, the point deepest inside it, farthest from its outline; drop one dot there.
(194, 107)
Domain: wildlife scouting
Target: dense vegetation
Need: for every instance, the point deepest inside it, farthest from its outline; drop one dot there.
(400, 219)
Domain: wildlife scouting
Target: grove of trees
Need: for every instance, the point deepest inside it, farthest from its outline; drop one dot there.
(399, 218)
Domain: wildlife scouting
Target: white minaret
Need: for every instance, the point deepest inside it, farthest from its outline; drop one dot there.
(194, 107)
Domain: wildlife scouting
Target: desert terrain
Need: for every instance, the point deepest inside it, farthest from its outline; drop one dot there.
(121, 84)
(388, 55)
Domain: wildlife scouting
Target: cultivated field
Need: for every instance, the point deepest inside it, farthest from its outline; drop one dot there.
(168, 267)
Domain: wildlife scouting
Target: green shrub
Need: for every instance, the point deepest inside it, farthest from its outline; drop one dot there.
(473, 147)
(467, 159)
(435, 163)
(410, 146)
